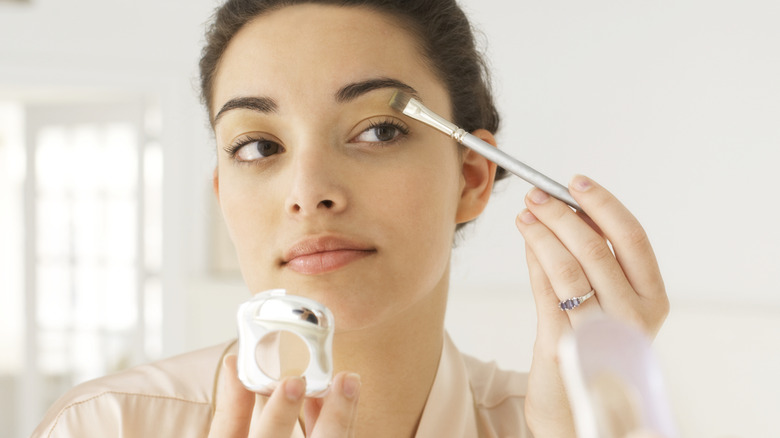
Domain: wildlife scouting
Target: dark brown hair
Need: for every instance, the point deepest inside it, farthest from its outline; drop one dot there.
(442, 30)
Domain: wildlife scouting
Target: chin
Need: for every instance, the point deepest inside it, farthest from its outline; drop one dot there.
(355, 309)
(356, 303)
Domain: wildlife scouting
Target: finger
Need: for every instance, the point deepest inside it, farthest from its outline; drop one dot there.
(549, 316)
(311, 412)
(561, 270)
(280, 413)
(629, 240)
(552, 323)
(233, 413)
(338, 414)
(588, 248)
(591, 224)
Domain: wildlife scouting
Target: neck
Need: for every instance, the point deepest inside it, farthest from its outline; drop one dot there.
(397, 361)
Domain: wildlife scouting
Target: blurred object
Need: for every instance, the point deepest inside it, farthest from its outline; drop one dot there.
(616, 405)
(613, 381)
(81, 227)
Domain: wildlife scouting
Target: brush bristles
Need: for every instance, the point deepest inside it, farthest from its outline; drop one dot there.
(399, 101)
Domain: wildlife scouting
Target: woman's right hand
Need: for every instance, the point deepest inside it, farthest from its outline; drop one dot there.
(332, 416)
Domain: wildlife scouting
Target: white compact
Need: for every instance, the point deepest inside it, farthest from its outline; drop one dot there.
(273, 312)
(613, 381)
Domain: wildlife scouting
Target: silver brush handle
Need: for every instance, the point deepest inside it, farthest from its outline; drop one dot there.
(516, 167)
(416, 110)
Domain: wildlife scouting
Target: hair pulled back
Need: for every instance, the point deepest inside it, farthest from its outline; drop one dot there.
(443, 32)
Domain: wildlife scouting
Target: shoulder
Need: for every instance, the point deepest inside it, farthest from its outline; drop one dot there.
(499, 398)
(160, 396)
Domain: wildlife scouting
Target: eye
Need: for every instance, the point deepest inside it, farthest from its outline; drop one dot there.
(253, 149)
(381, 132)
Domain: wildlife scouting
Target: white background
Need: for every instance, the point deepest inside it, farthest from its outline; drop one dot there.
(673, 105)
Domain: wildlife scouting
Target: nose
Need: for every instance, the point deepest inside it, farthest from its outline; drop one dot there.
(317, 185)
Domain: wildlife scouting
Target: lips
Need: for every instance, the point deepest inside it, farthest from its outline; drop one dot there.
(312, 256)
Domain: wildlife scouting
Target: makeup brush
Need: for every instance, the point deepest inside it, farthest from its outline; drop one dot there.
(413, 108)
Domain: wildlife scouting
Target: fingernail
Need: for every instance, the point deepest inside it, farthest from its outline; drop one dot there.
(581, 183)
(351, 385)
(229, 362)
(294, 388)
(538, 196)
(527, 217)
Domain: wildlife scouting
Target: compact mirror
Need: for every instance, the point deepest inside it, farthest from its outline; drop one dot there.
(281, 335)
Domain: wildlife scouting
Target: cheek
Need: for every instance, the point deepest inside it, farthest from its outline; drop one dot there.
(240, 206)
(245, 208)
(432, 190)
(425, 224)
(419, 204)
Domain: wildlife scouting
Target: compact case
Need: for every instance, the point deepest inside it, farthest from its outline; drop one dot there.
(275, 311)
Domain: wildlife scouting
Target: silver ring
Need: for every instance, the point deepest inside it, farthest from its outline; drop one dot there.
(572, 303)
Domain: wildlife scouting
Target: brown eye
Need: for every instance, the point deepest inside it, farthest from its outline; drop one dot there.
(385, 133)
(381, 133)
(267, 148)
(258, 149)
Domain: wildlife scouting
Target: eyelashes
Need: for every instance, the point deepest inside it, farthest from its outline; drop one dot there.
(257, 147)
(385, 132)
(241, 151)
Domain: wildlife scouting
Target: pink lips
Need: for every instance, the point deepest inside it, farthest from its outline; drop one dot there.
(319, 255)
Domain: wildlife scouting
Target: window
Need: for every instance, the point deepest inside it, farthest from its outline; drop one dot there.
(81, 229)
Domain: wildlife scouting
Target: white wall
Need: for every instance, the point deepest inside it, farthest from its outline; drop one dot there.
(672, 105)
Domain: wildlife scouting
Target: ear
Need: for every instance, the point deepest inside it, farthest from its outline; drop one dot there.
(478, 175)
(215, 182)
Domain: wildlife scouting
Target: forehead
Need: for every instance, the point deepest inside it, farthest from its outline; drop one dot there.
(307, 50)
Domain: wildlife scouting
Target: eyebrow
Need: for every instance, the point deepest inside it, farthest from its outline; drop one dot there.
(260, 104)
(354, 90)
(345, 94)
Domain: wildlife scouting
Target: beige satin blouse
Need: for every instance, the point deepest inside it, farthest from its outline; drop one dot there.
(175, 398)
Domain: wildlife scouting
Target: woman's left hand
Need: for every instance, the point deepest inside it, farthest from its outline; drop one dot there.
(569, 255)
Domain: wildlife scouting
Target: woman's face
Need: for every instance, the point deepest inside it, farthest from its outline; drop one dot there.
(326, 191)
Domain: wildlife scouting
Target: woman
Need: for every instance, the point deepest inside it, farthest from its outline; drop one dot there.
(329, 193)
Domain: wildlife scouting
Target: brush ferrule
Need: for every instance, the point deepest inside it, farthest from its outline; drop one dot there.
(459, 135)
(417, 111)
